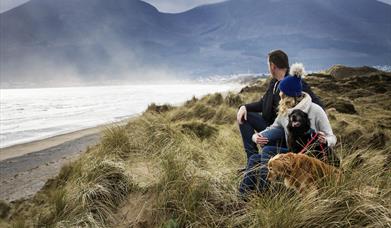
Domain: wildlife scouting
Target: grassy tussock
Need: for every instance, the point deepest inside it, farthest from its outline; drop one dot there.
(233, 100)
(101, 188)
(116, 141)
(224, 115)
(88, 198)
(192, 194)
(180, 191)
(68, 171)
(212, 108)
(159, 108)
(203, 111)
(199, 129)
(4, 209)
(276, 208)
(191, 102)
(158, 134)
(213, 99)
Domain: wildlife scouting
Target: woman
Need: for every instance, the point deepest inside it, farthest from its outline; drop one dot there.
(292, 97)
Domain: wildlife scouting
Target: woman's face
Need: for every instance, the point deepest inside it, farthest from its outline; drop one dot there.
(281, 95)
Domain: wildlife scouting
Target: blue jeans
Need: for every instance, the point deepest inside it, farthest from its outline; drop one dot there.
(255, 177)
(255, 122)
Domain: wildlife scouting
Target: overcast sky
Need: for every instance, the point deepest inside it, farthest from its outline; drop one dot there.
(171, 6)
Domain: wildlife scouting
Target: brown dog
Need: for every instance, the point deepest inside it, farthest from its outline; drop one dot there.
(300, 171)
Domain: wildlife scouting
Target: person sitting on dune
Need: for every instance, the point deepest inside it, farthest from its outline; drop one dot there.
(258, 115)
(292, 97)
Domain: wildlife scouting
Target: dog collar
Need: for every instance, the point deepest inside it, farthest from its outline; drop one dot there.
(310, 131)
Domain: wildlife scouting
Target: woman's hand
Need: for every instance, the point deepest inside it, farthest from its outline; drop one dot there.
(242, 113)
(259, 139)
(322, 137)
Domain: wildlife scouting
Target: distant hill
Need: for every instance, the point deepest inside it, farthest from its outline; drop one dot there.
(96, 40)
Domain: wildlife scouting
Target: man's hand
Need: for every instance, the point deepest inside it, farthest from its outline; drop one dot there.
(259, 139)
(322, 137)
(242, 113)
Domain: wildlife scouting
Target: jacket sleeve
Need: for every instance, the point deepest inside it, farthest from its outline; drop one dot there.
(276, 124)
(323, 125)
(315, 99)
(258, 106)
(255, 107)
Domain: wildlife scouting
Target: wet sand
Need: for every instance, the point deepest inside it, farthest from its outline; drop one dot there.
(25, 168)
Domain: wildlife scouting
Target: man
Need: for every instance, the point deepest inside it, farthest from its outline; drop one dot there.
(259, 115)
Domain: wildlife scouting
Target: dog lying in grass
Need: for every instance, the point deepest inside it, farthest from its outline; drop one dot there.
(301, 172)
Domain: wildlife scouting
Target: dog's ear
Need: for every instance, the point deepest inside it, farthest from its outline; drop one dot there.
(290, 115)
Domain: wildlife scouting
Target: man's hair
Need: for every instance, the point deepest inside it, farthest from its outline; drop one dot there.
(280, 59)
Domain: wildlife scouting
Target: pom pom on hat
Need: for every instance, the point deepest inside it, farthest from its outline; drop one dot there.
(297, 69)
(291, 84)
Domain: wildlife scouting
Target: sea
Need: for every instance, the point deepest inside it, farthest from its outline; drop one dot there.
(28, 115)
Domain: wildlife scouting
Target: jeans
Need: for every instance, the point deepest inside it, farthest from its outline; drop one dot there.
(255, 122)
(255, 177)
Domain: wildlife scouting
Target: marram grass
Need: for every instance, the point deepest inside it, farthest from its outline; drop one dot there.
(196, 149)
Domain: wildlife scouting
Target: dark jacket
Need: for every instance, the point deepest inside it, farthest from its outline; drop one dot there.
(268, 105)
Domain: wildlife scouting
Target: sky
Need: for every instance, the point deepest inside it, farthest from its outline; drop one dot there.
(168, 6)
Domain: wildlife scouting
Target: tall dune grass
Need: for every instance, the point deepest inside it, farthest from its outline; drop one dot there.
(198, 150)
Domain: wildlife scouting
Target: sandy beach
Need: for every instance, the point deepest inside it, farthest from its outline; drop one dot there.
(25, 168)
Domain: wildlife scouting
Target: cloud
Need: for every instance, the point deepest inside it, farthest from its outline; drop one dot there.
(176, 6)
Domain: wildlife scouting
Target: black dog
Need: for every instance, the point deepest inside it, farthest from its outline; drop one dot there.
(300, 134)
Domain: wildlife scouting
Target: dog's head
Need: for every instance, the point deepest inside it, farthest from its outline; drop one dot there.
(298, 120)
(280, 165)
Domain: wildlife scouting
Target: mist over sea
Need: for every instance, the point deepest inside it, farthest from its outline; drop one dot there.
(33, 114)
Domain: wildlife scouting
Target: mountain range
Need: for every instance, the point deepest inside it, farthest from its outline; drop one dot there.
(84, 41)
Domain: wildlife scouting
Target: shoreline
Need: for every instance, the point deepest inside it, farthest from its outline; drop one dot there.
(22, 148)
(25, 168)
(42, 144)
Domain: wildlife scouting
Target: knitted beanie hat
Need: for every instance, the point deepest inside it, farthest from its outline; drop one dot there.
(291, 84)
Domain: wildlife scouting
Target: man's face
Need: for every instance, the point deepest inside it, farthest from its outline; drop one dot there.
(271, 67)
